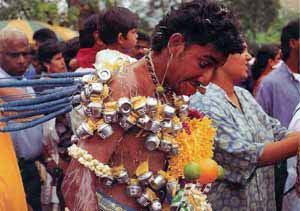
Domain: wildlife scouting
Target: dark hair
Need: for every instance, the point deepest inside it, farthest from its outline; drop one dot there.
(200, 22)
(290, 31)
(44, 34)
(70, 50)
(49, 49)
(143, 36)
(90, 25)
(114, 21)
(263, 54)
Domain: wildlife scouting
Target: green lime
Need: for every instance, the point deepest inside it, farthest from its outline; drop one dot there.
(221, 173)
(192, 170)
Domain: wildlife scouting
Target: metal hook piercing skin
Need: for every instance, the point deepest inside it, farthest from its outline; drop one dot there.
(35, 122)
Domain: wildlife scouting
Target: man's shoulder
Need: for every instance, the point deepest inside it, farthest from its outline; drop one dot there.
(124, 83)
(276, 76)
(3, 73)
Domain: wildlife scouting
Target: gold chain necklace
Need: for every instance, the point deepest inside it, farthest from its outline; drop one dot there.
(161, 91)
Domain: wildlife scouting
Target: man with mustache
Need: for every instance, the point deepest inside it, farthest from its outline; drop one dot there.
(14, 60)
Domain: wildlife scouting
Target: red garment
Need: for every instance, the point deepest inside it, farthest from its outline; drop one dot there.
(86, 57)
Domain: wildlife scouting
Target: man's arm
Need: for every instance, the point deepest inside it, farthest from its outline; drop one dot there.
(13, 94)
(264, 97)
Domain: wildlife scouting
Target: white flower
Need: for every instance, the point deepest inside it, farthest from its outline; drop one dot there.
(81, 160)
(88, 157)
(95, 162)
(99, 168)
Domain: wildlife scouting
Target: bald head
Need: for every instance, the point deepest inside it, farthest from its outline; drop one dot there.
(14, 51)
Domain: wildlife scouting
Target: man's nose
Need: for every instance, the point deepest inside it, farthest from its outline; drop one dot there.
(21, 59)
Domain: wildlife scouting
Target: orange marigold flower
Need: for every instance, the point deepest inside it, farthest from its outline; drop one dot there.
(193, 146)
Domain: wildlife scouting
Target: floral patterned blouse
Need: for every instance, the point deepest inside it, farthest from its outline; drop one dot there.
(241, 136)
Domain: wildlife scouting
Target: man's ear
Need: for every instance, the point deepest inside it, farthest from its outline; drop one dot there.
(120, 39)
(95, 35)
(176, 44)
(294, 43)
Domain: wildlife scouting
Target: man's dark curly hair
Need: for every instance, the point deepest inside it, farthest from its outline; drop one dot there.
(200, 22)
(290, 31)
(114, 21)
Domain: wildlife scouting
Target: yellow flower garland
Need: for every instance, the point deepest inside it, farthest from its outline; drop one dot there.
(194, 145)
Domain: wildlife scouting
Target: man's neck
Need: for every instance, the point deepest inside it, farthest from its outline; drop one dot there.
(117, 47)
(97, 47)
(292, 63)
(160, 61)
(267, 70)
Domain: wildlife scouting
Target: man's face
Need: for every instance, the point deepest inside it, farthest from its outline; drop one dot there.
(57, 64)
(194, 66)
(140, 49)
(15, 56)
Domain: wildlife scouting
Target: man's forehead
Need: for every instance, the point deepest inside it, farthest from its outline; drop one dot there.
(13, 44)
(208, 51)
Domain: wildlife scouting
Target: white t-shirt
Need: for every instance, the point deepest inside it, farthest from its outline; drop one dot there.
(291, 202)
(27, 143)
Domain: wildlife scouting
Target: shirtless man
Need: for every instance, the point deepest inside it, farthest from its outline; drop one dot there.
(187, 45)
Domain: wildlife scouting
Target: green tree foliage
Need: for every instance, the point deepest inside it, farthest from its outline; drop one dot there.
(272, 35)
(30, 9)
(256, 15)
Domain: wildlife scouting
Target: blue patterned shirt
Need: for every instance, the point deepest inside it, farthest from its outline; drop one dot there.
(241, 136)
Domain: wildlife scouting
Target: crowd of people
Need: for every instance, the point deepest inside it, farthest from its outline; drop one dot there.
(197, 50)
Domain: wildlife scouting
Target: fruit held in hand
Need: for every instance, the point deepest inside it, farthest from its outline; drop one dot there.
(209, 170)
(221, 173)
(192, 171)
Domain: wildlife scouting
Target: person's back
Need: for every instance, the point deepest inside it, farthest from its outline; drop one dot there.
(291, 200)
(278, 94)
(12, 196)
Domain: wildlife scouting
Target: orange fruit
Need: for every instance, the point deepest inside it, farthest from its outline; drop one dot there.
(209, 170)
(192, 171)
